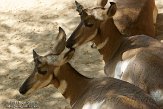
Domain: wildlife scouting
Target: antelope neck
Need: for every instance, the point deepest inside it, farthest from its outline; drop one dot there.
(75, 83)
(108, 31)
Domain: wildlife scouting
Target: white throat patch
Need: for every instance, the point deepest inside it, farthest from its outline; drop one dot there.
(102, 45)
(63, 84)
(62, 87)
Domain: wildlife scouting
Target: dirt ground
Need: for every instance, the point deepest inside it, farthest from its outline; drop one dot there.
(32, 24)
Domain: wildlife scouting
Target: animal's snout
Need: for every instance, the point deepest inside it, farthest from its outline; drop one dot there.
(25, 87)
(23, 90)
(70, 43)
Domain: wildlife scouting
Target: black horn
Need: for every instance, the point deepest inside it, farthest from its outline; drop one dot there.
(81, 10)
(79, 7)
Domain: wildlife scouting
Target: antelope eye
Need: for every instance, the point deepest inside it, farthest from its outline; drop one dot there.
(42, 71)
(88, 24)
(89, 21)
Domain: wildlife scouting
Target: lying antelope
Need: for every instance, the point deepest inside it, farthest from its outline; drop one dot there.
(137, 59)
(83, 92)
(134, 17)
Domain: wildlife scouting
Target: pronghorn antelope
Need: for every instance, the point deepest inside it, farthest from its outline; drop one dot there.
(137, 59)
(134, 17)
(80, 91)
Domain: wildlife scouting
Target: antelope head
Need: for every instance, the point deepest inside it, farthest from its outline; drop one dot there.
(47, 66)
(90, 25)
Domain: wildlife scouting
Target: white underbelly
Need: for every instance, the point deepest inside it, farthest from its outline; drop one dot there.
(121, 67)
(96, 105)
(157, 95)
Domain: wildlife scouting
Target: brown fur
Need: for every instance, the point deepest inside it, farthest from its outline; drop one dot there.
(145, 69)
(134, 17)
(81, 91)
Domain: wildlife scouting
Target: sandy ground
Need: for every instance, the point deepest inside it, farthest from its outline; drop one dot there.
(32, 24)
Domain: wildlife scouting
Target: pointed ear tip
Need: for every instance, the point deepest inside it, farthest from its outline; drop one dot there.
(112, 3)
(34, 51)
(76, 2)
(60, 29)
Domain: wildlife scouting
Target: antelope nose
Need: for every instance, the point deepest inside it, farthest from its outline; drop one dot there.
(22, 91)
(70, 43)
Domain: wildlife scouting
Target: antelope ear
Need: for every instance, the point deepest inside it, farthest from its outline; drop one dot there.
(35, 55)
(36, 58)
(112, 9)
(67, 56)
(61, 42)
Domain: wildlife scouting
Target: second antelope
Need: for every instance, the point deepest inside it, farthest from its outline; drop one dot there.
(137, 59)
(80, 91)
(134, 17)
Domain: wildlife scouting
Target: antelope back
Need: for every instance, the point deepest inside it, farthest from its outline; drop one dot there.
(134, 17)
(110, 93)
